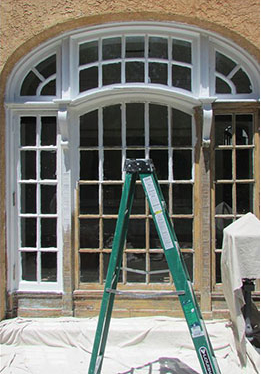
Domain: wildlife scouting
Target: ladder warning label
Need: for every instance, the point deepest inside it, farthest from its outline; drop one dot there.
(164, 232)
(157, 210)
(152, 194)
(206, 360)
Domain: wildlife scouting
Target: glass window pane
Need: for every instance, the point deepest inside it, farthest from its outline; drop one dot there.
(28, 131)
(158, 120)
(158, 262)
(184, 232)
(89, 165)
(181, 50)
(242, 82)
(89, 233)
(134, 71)
(111, 48)
(137, 262)
(48, 266)
(89, 129)
(138, 206)
(221, 223)
(244, 164)
(181, 77)
(223, 130)
(48, 164)
(136, 234)
(47, 67)
(109, 226)
(245, 198)
(182, 165)
(28, 198)
(135, 153)
(222, 87)
(89, 267)
(48, 131)
(48, 232)
(223, 64)
(88, 79)
(29, 266)
(88, 52)
(223, 198)
(188, 259)
(111, 199)
(181, 134)
(28, 164)
(134, 46)
(244, 129)
(28, 232)
(30, 85)
(111, 74)
(49, 89)
(160, 160)
(89, 199)
(223, 164)
(158, 73)
(135, 124)
(112, 125)
(158, 47)
(182, 198)
(48, 199)
(112, 165)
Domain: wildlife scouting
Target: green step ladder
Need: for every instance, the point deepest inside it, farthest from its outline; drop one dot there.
(144, 169)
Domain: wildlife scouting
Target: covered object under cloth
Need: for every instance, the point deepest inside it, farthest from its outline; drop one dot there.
(141, 345)
(240, 259)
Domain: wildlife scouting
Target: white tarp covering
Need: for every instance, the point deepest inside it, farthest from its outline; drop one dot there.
(147, 344)
(240, 259)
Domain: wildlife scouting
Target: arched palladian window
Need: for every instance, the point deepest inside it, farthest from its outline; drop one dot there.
(80, 105)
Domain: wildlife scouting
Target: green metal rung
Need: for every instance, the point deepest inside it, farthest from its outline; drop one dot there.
(144, 169)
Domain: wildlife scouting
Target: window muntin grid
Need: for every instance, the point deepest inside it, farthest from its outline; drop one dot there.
(41, 79)
(37, 197)
(231, 77)
(107, 136)
(234, 168)
(135, 59)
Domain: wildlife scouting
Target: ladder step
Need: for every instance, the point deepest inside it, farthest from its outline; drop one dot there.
(139, 295)
(145, 271)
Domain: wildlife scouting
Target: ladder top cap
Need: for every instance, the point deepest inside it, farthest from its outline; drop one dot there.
(138, 165)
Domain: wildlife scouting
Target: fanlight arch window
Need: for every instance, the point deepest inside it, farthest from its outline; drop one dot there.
(41, 79)
(179, 60)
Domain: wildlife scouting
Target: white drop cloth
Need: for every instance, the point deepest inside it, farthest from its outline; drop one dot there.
(240, 259)
(64, 345)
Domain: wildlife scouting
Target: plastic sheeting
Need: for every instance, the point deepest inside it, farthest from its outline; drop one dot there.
(240, 259)
(144, 345)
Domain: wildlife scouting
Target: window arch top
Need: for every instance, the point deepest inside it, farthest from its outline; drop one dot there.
(176, 58)
(139, 58)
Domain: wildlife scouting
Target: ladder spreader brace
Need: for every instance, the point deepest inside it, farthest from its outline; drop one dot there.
(144, 169)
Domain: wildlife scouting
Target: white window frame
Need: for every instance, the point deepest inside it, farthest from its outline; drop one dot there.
(68, 104)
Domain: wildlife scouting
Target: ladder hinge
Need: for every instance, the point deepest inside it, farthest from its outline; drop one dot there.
(140, 165)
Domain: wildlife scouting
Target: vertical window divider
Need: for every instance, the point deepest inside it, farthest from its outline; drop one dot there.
(234, 166)
(146, 54)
